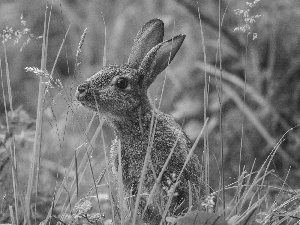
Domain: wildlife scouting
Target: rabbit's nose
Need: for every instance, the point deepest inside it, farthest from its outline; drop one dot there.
(82, 90)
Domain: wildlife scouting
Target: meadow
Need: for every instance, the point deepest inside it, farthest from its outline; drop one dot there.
(233, 86)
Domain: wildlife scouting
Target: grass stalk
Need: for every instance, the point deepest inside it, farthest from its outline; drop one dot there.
(76, 175)
(221, 103)
(147, 158)
(206, 104)
(191, 152)
(12, 145)
(39, 119)
(65, 180)
(59, 51)
(7, 78)
(120, 182)
(82, 166)
(109, 180)
(157, 182)
(4, 97)
(93, 177)
(12, 217)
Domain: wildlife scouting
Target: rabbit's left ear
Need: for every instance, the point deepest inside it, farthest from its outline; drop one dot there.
(158, 58)
(150, 35)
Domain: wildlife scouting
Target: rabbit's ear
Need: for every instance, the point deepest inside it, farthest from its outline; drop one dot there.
(150, 35)
(159, 57)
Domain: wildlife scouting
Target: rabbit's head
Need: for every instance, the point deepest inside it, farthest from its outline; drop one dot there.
(119, 91)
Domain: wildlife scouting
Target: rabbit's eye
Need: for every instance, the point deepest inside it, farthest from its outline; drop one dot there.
(122, 83)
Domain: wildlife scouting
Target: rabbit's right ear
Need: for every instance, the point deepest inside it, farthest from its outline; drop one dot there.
(158, 58)
(150, 35)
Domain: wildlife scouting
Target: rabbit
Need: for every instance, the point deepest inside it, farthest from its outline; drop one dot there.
(119, 93)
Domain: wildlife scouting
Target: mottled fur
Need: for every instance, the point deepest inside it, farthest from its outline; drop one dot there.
(120, 94)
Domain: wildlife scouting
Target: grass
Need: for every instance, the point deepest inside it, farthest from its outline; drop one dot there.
(246, 200)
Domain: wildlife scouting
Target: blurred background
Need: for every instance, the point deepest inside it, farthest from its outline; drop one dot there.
(260, 101)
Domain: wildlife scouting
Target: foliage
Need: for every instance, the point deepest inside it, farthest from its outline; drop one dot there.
(256, 90)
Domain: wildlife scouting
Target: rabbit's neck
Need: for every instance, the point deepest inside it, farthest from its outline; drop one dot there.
(137, 124)
(133, 134)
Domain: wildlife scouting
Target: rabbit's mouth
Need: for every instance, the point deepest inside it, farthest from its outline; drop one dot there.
(80, 95)
(83, 96)
(86, 98)
(81, 91)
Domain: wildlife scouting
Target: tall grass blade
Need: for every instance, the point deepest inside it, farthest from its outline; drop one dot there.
(105, 61)
(58, 53)
(14, 175)
(206, 104)
(147, 158)
(11, 213)
(7, 78)
(4, 97)
(76, 175)
(157, 182)
(120, 181)
(38, 132)
(221, 103)
(109, 180)
(191, 152)
(93, 177)
(82, 167)
(65, 180)
(12, 145)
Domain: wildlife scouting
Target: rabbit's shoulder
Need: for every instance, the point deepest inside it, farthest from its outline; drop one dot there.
(168, 130)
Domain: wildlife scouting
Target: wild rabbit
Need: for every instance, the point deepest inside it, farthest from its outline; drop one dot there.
(120, 94)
